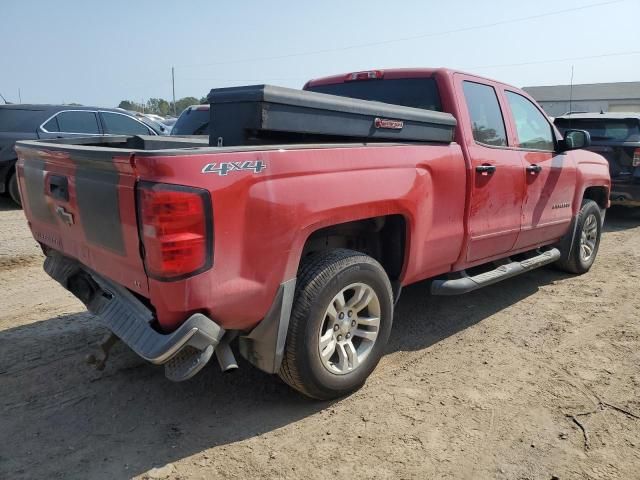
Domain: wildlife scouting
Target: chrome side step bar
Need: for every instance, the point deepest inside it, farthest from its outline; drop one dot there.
(467, 283)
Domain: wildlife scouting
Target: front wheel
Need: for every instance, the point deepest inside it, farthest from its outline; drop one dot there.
(583, 249)
(340, 324)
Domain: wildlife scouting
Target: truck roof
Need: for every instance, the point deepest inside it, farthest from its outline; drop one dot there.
(391, 73)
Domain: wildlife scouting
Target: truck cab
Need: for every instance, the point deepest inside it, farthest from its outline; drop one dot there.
(522, 179)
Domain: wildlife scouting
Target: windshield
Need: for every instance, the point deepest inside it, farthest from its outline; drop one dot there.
(409, 92)
(193, 121)
(617, 130)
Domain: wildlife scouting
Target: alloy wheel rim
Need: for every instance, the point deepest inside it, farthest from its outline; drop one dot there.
(349, 328)
(588, 238)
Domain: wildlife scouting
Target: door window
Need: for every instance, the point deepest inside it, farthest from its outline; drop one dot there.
(117, 124)
(534, 131)
(52, 125)
(77, 122)
(486, 116)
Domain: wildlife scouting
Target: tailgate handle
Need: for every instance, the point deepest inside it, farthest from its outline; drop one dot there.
(59, 187)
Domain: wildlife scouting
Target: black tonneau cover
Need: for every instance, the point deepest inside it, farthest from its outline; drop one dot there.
(261, 114)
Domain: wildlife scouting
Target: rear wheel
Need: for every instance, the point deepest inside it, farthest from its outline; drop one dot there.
(14, 192)
(586, 240)
(340, 324)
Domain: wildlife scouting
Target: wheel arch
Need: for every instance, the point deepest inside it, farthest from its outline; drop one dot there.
(384, 238)
(597, 193)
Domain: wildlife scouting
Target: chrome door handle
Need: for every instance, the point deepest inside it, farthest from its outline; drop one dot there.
(534, 168)
(486, 169)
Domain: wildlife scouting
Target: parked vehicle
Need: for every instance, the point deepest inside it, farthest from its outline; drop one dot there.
(154, 117)
(168, 123)
(298, 247)
(615, 136)
(194, 120)
(24, 122)
(158, 127)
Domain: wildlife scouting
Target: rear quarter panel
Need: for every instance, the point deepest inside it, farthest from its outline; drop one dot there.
(262, 220)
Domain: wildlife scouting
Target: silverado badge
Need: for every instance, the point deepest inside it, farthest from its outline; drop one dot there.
(257, 166)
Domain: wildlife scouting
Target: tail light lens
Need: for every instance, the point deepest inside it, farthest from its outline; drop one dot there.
(636, 158)
(176, 230)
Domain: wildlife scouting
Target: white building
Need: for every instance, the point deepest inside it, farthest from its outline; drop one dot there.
(594, 97)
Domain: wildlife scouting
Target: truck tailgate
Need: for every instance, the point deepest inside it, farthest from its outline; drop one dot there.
(82, 203)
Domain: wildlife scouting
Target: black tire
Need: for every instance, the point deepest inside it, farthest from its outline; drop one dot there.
(572, 260)
(320, 278)
(14, 192)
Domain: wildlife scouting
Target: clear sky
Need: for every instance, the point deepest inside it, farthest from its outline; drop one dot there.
(100, 52)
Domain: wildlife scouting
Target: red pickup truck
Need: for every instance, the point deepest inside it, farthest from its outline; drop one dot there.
(297, 250)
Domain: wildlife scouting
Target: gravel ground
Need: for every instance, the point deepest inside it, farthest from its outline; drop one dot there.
(535, 378)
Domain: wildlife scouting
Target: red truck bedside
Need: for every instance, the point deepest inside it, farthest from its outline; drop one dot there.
(297, 246)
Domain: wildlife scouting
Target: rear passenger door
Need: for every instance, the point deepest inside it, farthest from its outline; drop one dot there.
(70, 123)
(550, 176)
(496, 176)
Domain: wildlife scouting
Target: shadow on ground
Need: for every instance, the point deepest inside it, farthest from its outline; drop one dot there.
(57, 407)
(621, 218)
(7, 204)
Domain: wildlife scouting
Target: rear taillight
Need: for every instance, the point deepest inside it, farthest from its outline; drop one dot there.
(368, 75)
(176, 230)
(636, 158)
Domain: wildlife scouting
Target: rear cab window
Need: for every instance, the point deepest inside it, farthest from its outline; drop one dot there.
(409, 92)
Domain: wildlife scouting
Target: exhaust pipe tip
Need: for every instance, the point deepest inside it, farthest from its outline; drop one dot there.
(226, 358)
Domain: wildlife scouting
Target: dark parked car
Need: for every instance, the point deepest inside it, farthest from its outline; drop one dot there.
(26, 122)
(194, 120)
(615, 136)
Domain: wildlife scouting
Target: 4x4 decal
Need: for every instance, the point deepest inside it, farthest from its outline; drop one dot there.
(225, 167)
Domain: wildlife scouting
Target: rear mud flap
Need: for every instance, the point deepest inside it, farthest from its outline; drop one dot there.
(264, 346)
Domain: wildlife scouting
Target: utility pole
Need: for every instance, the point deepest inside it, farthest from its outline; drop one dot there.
(173, 86)
(571, 92)
(19, 96)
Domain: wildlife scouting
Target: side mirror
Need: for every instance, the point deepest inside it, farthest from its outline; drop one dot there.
(575, 139)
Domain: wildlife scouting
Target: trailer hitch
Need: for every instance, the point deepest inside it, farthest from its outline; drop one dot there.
(99, 357)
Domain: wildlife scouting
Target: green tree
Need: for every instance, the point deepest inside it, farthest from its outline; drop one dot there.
(184, 103)
(129, 105)
(159, 106)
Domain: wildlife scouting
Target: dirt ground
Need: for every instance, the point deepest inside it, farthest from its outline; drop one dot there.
(535, 378)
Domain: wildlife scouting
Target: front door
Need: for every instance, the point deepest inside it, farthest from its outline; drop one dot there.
(550, 176)
(497, 190)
